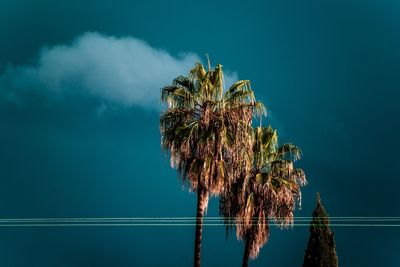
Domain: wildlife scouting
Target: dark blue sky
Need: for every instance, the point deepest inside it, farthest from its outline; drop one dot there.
(80, 138)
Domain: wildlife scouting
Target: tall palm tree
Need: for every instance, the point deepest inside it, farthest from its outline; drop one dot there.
(270, 192)
(207, 132)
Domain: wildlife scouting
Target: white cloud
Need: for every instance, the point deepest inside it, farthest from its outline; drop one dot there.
(125, 71)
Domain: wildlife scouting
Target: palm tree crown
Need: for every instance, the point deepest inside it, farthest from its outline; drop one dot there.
(271, 191)
(205, 129)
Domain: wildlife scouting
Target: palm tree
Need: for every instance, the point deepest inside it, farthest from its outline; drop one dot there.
(208, 133)
(270, 192)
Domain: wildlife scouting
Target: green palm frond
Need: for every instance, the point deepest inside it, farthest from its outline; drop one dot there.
(288, 152)
(241, 85)
(185, 82)
(177, 96)
(240, 91)
(197, 73)
(259, 109)
(217, 80)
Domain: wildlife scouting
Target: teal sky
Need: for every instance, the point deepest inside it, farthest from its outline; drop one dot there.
(79, 114)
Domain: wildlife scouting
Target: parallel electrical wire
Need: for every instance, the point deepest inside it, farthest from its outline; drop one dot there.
(176, 225)
(365, 221)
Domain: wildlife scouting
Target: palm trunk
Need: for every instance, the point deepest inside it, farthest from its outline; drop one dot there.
(201, 198)
(246, 254)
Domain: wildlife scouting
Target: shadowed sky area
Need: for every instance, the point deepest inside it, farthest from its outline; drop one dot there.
(79, 122)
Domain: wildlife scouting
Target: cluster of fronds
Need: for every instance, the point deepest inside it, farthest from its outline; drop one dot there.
(270, 191)
(207, 130)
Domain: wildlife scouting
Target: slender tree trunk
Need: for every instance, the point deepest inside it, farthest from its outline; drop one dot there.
(246, 254)
(201, 198)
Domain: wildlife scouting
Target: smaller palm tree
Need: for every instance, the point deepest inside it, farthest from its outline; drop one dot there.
(270, 192)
